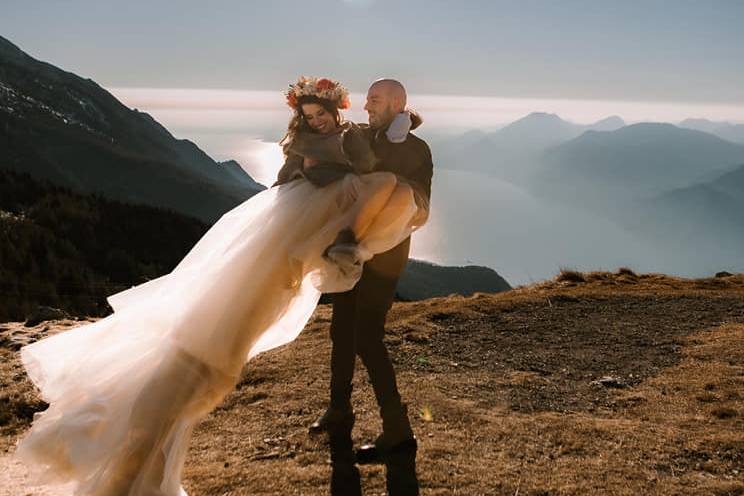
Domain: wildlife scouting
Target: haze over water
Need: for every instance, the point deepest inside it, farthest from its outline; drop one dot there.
(475, 218)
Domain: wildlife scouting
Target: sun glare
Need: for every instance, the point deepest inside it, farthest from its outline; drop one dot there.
(268, 159)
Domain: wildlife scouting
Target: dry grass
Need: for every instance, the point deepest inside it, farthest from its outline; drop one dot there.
(568, 275)
(507, 395)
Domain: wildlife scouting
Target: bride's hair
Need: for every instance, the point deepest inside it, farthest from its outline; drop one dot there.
(298, 123)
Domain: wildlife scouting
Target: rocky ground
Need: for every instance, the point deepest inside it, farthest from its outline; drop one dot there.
(593, 383)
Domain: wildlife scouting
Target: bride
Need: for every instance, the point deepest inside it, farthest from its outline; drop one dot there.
(126, 391)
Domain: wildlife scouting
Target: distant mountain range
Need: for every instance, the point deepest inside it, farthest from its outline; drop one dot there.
(673, 186)
(712, 210)
(513, 152)
(724, 130)
(540, 142)
(636, 161)
(674, 189)
(58, 126)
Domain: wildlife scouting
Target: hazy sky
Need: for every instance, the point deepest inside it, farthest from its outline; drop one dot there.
(650, 50)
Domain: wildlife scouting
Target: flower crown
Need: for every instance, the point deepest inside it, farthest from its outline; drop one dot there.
(324, 88)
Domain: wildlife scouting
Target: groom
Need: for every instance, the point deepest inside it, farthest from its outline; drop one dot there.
(358, 322)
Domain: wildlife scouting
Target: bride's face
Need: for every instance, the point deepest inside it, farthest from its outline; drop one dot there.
(319, 118)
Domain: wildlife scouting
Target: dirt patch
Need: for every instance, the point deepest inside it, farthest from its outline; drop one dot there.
(621, 384)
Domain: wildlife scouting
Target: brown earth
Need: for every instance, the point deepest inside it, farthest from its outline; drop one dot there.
(593, 383)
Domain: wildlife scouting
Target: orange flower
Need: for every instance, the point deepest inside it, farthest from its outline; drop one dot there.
(291, 99)
(324, 84)
(345, 104)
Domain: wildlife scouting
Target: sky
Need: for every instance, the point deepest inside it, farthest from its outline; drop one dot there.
(630, 50)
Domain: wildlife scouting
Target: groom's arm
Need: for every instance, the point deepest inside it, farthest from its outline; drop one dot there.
(420, 176)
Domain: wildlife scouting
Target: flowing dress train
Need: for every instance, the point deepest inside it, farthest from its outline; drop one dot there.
(126, 391)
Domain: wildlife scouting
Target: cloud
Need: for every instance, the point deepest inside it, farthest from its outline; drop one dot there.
(440, 111)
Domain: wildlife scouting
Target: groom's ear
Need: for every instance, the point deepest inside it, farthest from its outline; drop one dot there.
(399, 104)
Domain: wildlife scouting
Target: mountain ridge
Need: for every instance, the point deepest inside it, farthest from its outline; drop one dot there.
(59, 126)
(637, 157)
(722, 129)
(513, 152)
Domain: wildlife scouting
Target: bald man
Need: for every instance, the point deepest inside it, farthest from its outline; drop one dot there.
(358, 322)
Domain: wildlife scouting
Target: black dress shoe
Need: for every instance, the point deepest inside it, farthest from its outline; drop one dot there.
(373, 454)
(332, 417)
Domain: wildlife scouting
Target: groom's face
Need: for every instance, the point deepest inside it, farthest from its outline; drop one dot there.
(379, 106)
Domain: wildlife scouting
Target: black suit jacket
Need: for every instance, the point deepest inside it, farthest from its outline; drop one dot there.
(412, 161)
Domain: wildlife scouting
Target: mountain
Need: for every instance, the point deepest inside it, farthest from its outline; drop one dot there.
(709, 211)
(69, 250)
(58, 126)
(724, 130)
(607, 124)
(422, 280)
(513, 152)
(236, 171)
(637, 161)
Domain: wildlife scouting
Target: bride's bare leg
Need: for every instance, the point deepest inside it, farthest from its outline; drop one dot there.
(370, 208)
(396, 205)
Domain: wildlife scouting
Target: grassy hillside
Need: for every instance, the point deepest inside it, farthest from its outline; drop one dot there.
(600, 383)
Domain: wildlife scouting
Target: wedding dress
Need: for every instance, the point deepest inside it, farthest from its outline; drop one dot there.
(126, 391)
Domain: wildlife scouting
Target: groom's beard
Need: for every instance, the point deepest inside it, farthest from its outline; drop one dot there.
(381, 120)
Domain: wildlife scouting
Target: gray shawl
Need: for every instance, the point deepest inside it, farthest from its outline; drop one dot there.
(346, 150)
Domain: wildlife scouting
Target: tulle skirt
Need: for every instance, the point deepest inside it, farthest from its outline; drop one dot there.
(126, 391)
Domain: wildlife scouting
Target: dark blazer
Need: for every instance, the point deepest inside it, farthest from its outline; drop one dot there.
(412, 161)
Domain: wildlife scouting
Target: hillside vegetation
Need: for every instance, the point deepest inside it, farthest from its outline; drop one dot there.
(591, 383)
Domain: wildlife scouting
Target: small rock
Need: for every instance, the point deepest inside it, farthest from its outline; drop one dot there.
(724, 413)
(43, 313)
(439, 316)
(723, 273)
(417, 337)
(565, 298)
(610, 382)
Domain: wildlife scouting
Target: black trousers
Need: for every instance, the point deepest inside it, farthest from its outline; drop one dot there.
(358, 328)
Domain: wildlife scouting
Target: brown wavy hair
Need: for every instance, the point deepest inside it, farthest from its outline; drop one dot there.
(298, 123)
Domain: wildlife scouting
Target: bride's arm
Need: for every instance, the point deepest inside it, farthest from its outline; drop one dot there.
(323, 148)
(357, 150)
(349, 147)
(290, 170)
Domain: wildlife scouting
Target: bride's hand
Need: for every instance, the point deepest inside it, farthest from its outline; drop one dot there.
(309, 162)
